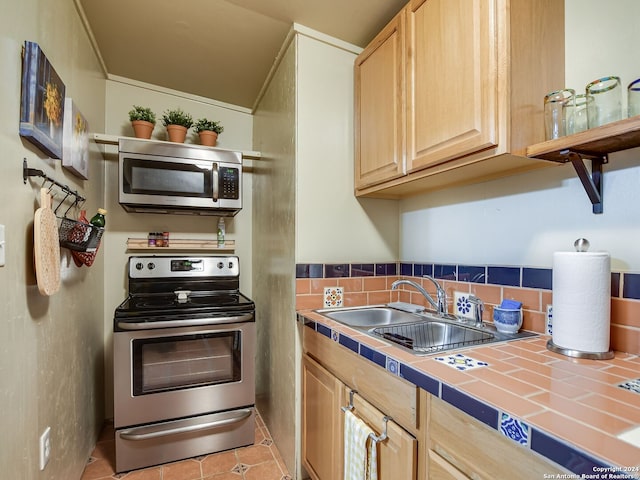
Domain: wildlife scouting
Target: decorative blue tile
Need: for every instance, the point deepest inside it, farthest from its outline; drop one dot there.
(308, 323)
(362, 269)
(309, 270)
(445, 272)
(515, 429)
(350, 343)
(468, 273)
(386, 269)
(324, 330)
(336, 270)
(376, 357)
(460, 362)
(406, 269)
(477, 409)
(422, 269)
(393, 366)
(504, 276)
(631, 285)
(631, 385)
(561, 453)
(537, 278)
(615, 284)
(419, 379)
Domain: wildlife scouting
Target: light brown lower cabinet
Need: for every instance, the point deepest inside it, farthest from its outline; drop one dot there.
(427, 438)
(322, 429)
(462, 447)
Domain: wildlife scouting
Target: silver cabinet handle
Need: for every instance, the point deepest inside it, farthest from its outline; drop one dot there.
(132, 435)
(194, 322)
(214, 172)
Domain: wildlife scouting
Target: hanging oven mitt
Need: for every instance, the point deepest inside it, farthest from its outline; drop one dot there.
(77, 256)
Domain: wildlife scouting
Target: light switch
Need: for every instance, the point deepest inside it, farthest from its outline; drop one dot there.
(2, 246)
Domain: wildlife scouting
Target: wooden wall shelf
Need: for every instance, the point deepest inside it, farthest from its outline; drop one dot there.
(177, 244)
(594, 144)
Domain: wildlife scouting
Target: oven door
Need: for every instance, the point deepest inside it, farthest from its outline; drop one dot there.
(170, 373)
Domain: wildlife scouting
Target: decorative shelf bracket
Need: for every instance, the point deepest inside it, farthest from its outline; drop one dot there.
(592, 182)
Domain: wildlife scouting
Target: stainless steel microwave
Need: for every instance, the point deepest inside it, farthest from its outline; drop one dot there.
(163, 177)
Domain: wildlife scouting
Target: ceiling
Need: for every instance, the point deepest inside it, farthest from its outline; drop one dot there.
(218, 49)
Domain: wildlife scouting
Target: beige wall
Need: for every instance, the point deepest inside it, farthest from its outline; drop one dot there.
(51, 348)
(121, 95)
(304, 210)
(273, 260)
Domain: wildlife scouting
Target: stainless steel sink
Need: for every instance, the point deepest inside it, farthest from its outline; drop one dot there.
(370, 316)
(420, 333)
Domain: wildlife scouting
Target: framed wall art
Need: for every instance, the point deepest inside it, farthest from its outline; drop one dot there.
(42, 102)
(75, 141)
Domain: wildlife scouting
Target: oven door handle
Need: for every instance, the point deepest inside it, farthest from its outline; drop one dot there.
(194, 322)
(152, 432)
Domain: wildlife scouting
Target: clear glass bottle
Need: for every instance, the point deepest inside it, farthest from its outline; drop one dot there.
(221, 232)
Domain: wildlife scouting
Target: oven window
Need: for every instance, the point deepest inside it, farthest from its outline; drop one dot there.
(173, 363)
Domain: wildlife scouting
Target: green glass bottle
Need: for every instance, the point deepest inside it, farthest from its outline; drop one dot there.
(98, 219)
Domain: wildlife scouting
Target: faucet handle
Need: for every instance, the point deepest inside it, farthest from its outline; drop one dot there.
(478, 309)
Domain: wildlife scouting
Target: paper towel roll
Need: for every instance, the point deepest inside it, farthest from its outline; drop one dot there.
(582, 301)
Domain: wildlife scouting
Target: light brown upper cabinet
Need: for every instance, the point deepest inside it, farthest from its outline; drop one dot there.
(474, 75)
(380, 106)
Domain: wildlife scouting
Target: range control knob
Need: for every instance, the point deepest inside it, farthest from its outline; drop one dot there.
(139, 266)
(230, 265)
(220, 265)
(151, 265)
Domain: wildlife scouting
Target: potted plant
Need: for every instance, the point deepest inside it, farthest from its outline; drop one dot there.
(143, 120)
(208, 130)
(177, 123)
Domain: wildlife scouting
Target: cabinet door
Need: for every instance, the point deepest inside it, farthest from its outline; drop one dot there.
(440, 469)
(452, 80)
(322, 442)
(379, 107)
(398, 453)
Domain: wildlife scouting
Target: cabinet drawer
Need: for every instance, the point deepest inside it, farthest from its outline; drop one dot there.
(391, 394)
(440, 469)
(397, 455)
(471, 446)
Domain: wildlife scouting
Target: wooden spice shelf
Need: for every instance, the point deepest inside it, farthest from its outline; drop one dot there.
(176, 244)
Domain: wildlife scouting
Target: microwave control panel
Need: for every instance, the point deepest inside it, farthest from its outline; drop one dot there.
(229, 183)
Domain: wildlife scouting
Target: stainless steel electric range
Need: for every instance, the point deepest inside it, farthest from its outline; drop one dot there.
(183, 361)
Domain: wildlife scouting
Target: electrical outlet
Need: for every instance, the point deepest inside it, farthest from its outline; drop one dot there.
(45, 448)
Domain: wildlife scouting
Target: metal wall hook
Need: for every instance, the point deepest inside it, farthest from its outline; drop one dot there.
(376, 438)
(34, 172)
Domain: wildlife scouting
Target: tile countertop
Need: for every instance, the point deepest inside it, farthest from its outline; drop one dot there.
(568, 410)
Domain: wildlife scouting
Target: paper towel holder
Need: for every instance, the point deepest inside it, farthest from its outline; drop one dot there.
(578, 353)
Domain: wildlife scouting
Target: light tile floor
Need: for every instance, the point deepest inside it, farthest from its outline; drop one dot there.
(260, 461)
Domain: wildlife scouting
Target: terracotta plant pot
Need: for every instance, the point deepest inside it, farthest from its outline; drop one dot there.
(177, 133)
(208, 138)
(142, 129)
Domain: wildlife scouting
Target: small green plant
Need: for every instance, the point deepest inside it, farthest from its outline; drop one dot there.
(177, 117)
(142, 113)
(203, 124)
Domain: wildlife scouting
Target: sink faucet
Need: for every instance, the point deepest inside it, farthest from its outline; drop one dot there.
(478, 309)
(440, 305)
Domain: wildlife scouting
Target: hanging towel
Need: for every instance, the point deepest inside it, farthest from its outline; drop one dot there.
(372, 465)
(360, 452)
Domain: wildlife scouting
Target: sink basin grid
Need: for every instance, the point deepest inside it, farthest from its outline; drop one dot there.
(431, 336)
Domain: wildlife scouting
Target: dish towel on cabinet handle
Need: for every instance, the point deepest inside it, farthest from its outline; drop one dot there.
(360, 449)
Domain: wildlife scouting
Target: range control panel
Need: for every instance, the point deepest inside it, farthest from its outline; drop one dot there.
(183, 267)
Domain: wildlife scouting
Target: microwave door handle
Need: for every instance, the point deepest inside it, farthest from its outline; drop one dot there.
(215, 175)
